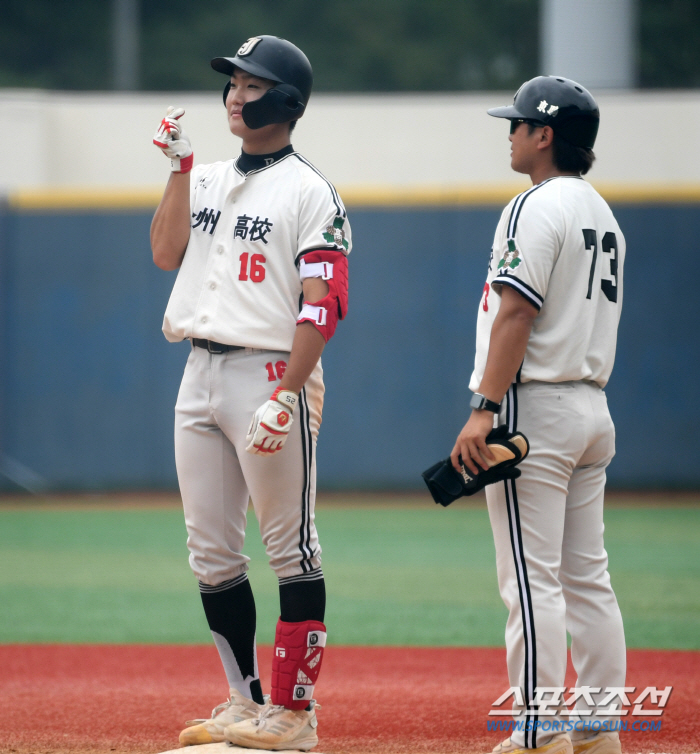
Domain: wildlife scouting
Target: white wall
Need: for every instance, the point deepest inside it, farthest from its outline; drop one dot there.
(58, 140)
(591, 41)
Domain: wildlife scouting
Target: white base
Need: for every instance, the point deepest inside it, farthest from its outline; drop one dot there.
(222, 748)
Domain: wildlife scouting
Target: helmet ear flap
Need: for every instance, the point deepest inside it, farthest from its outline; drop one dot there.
(281, 104)
(227, 88)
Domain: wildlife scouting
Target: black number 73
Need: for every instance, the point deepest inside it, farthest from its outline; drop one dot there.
(609, 287)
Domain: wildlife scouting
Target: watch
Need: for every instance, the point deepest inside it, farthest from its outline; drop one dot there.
(478, 401)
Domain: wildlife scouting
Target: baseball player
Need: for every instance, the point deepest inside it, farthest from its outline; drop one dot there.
(261, 243)
(546, 336)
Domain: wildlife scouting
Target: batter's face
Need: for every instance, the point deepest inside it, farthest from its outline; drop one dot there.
(247, 88)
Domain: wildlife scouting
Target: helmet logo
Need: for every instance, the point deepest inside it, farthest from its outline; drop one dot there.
(248, 46)
(545, 107)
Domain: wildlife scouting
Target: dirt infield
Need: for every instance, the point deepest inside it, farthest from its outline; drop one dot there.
(68, 698)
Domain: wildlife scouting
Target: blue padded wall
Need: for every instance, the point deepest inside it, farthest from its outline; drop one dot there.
(88, 383)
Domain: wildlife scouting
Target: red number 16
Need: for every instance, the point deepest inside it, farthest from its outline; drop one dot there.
(280, 367)
(257, 271)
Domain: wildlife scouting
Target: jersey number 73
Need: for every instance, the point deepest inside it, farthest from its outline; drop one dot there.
(609, 246)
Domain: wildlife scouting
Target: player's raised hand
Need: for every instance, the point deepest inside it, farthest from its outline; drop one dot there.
(271, 423)
(175, 144)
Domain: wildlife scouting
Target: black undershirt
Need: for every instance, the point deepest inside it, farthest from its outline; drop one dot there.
(246, 163)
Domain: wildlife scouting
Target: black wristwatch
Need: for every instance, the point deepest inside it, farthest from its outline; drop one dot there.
(478, 401)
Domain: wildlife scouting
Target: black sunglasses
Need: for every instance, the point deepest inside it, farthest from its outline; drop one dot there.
(515, 122)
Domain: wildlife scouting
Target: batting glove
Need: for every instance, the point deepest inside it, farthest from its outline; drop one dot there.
(172, 140)
(271, 423)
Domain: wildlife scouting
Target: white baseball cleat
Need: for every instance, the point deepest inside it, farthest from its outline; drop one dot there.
(234, 710)
(600, 743)
(558, 744)
(276, 729)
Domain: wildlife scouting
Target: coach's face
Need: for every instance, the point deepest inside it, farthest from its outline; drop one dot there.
(523, 146)
(244, 88)
(531, 149)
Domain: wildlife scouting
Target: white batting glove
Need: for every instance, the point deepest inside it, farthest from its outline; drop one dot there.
(172, 140)
(271, 423)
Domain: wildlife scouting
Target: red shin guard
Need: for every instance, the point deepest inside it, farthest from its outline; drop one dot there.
(296, 662)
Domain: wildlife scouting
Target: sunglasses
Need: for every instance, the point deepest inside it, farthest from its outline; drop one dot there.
(514, 123)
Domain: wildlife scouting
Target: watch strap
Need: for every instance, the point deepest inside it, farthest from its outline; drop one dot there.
(480, 402)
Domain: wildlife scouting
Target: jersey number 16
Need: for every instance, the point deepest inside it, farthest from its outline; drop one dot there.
(609, 245)
(257, 271)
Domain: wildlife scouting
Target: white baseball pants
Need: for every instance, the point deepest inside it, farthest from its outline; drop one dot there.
(551, 561)
(218, 397)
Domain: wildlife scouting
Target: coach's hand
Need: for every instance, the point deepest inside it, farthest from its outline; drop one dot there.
(471, 443)
(172, 140)
(271, 423)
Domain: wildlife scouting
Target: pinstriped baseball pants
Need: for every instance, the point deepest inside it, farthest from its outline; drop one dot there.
(551, 560)
(218, 396)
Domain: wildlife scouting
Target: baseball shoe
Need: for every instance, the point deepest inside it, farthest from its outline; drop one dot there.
(276, 729)
(559, 744)
(210, 731)
(600, 743)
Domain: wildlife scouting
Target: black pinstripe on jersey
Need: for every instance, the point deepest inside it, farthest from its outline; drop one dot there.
(516, 541)
(336, 198)
(507, 278)
(340, 207)
(307, 449)
(518, 206)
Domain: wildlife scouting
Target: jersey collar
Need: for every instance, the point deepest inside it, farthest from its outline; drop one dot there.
(247, 163)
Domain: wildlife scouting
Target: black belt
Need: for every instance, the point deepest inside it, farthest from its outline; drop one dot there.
(214, 347)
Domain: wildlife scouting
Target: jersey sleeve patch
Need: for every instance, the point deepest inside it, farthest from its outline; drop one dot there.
(335, 233)
(511, 259)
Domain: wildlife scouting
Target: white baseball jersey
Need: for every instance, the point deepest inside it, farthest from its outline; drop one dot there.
(239, 280)
(560, 247)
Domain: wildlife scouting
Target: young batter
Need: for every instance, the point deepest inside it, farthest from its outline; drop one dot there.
(546, 337)
(261, 242)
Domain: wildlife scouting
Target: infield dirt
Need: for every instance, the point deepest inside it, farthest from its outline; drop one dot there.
(113, 699)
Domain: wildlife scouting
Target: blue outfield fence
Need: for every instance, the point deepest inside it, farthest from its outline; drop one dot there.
(89, 383)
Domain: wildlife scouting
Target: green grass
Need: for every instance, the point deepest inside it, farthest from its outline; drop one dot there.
(395, 574)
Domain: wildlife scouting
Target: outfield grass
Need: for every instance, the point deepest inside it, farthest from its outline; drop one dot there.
(396, 574)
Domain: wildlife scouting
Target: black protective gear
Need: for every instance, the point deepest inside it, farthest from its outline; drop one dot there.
(277, 60)
(554, 101)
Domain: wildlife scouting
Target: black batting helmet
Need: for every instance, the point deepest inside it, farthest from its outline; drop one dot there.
(280, 61)
(554, 101)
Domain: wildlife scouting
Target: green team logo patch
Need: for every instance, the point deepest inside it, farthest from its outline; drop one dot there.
(511, 259)
(335, 233)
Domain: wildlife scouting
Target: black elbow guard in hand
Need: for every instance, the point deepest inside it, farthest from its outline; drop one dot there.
(446, 484)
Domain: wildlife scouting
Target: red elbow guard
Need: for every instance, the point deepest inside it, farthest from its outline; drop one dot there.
(331, 266)
(296, 662)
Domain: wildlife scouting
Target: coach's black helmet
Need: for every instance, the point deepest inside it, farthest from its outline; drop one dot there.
(554, 101)
(280, 61)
